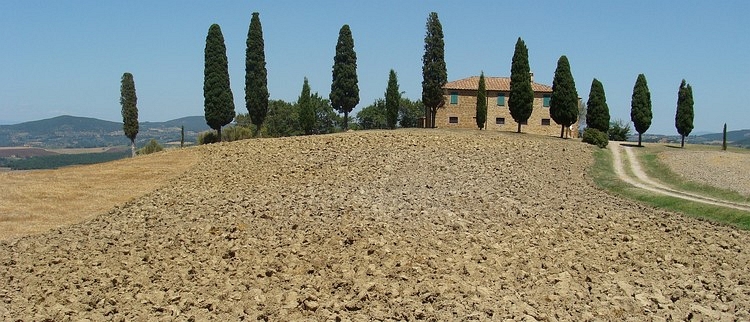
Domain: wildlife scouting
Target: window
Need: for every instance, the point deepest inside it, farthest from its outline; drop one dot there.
(500, 120)
(545, 121)
(454, 98)
(500, 99)
(545, 100)
(453, 119)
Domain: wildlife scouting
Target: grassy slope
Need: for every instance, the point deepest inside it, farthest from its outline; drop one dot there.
(604, 175)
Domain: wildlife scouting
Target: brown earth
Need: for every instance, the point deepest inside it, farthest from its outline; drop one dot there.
(404, 225)
(724, 169)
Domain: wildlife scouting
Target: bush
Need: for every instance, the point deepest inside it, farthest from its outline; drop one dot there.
(619, 130)
(151, 147)
(208, 137)
(595, 137)
(234, 133)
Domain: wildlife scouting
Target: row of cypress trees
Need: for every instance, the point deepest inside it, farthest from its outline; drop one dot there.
(217, 93)
(564, 105)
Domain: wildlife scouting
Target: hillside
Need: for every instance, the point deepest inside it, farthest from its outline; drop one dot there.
(382, 225)
(83, 132)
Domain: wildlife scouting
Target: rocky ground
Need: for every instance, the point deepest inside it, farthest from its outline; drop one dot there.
(729, 170)
(404, 225)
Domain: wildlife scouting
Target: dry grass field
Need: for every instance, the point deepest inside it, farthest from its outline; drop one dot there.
(407, 225)
(39, 200)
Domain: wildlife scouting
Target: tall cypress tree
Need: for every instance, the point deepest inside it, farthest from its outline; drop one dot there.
(129, 100)
(392, 100)
(684, 117)
(597, 113)
(218, 102)
(521, 99)
(434, 71)
(481, 102)
(344, 88)
(256, 75)
(640, 107)
(306, 110)
(563, 105)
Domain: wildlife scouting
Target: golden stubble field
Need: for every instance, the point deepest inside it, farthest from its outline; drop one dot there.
(40, 200)
(417, 225)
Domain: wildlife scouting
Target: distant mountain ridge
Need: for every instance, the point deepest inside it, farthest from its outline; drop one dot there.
(84, 132)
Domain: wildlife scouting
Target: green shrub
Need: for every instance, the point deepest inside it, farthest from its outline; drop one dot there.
(151, 147)
(619, 130)
(234, 133)
(595, 137)
(208, 137)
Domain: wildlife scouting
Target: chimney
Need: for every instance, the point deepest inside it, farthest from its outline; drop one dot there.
(531, 75)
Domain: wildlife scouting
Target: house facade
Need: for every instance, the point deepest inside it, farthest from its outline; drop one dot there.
(460, 107)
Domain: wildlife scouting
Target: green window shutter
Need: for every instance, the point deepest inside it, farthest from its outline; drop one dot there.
(500, 99)
(454, 98)
(546, 100)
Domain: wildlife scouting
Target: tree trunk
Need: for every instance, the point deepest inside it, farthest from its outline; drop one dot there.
(132, 148)
(346, 121)
(519, 127)
(639, 139)
(433, 115)
(562, 131)
(218, 132)
(682, 144)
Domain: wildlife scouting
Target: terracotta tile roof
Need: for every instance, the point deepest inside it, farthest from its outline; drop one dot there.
(492, 83)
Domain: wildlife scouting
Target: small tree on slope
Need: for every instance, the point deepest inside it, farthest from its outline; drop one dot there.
(256, 75)
(434, 71)
(521, 100)
(563, 105)
(306, 110)
(129, 100)
(344, 88)
(684, 116)
(481, 103)
(392, 100)
(640, 107)
(218, 102)
(597, 113)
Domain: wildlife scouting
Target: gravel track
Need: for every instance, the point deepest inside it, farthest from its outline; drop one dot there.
(729, 170)
(400, 225)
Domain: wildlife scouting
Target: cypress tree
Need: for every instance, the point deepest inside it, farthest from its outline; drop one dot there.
(182, 136)
(521, 96)
(684, 116)
(392, 100)
(256, 75)
(563, 105)
(481, 102)
(129, 100)
(724, 138)
(597, 114)
(434, 71)
(640, 107)
(218, 102)
(344, 89)
(306, 110)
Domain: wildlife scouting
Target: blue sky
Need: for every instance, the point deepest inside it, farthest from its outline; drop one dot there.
(67, 57)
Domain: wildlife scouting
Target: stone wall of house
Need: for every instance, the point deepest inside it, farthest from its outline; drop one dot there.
(498, 117)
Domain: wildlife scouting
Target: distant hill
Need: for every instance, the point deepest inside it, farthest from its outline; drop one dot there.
(738, 138)
(83, 132)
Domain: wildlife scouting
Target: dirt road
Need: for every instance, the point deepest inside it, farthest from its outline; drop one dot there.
(641, 180)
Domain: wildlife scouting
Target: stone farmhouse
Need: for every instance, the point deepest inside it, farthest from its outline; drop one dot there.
(460, 107)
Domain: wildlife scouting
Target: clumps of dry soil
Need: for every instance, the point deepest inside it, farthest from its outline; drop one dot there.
(723, 169)
(383, 226)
